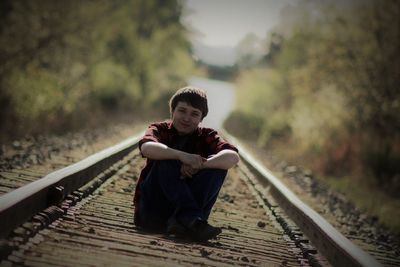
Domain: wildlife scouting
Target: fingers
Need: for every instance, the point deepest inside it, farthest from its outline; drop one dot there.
(197, 162)
(187, 171)
(184, 172)
(193, 160)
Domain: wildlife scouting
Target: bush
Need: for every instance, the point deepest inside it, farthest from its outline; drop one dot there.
(383, 163)
(244, 125)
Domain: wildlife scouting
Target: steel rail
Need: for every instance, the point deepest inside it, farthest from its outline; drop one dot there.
(338, 249)
(19, 205)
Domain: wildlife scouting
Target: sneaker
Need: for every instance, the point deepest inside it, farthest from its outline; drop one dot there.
(176, 229)
(200, 230)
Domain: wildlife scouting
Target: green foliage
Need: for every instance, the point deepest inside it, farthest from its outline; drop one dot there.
(334, 77)
(243, 124)
(262, 94)
(328, 98)
(113, 86)
(34, 94)
(384, 164)
(260, 90)
(64, 57)
(363, 59)
(317, 117)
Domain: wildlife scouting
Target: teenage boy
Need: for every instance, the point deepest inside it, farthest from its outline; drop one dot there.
(185, 169)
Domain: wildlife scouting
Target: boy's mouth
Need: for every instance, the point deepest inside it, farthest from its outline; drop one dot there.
(185, 125)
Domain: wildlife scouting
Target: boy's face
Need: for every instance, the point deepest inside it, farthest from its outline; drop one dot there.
(186, 118)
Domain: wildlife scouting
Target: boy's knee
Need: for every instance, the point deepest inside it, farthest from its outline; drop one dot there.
(221, 172)
(214, 173)
(218, 172)
(165, 169)
(166, 164)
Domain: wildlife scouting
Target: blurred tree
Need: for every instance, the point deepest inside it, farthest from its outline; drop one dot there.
(67, 58)
(367, 57)
(338, 92)
(365, 64)
(249, 51)
(274, 45)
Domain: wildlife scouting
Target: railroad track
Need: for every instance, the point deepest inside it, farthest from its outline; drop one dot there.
(82, 214)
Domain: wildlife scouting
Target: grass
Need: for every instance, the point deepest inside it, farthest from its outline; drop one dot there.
(370, 199)
(361, 191)
(364, 192)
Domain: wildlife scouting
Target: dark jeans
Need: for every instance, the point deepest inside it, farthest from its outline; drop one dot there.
(166, 195)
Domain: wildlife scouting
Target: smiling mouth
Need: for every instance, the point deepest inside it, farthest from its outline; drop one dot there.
(185, 125)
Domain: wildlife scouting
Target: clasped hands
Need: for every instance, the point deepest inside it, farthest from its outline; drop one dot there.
(191, 164)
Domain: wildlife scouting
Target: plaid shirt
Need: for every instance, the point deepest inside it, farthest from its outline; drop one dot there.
(204, 142)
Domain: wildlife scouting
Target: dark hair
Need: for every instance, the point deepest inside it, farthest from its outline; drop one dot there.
(194, 96)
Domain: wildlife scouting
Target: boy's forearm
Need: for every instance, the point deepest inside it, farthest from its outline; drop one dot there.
(225, 159)
(159, 151)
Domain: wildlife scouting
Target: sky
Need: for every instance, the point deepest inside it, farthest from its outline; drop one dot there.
(226, 22)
